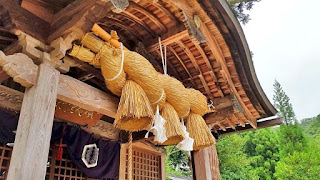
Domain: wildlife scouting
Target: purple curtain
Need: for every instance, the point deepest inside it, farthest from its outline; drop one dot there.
(75, 139)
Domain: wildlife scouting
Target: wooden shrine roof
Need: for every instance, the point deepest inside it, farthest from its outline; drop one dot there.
(207, 49)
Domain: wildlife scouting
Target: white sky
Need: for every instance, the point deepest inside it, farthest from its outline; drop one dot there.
(284, 36)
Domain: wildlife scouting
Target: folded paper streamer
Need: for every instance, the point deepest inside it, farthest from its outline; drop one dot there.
(158, 129)
(187, 143)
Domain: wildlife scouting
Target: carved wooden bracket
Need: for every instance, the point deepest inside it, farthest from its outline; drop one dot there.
(20, 67)
(41, 52)
(24, 71)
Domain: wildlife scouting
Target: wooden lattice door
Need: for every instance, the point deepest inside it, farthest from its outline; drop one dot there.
(5, 154)
(148, 163)
(56, 170)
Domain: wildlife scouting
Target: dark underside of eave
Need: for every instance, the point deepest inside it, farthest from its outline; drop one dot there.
(219, 15)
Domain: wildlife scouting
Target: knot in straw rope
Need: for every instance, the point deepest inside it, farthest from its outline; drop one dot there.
(121, 68)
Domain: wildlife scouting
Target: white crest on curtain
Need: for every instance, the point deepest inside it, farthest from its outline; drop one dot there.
(158, 128)
(187, 143)
(90, 155)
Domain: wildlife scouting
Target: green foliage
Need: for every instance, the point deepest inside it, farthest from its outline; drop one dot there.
(291, 139)
(313, 129)
(176, 161)
(303, 165)
(233, 161)
(283, 105)
(240, 6)
(262, 148)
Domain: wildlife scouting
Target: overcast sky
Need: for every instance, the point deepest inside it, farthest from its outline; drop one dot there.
(284, 36)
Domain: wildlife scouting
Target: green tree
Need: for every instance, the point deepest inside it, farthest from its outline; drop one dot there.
(176, 161)
(233, 161)
(283, 105)
(262, 149)
(303, 165)
(291, 136)
(240, 6)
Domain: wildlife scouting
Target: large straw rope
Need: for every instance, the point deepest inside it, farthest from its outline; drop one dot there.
(177, 95)
(198, 102)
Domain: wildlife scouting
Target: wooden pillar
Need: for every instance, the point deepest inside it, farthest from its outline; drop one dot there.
(214, 162)
(202, 169)
(31, 147)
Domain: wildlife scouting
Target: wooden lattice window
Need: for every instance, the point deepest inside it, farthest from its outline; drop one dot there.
(147, 164)
(5, 154)
(56, 170)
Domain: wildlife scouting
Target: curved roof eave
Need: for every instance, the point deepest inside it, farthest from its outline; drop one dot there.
(236, 38)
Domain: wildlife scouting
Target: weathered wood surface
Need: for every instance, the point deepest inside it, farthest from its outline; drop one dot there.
(201, 161)
(10, 99)
(70, 90)
(30, 153)
(214, 162)
(105, 130)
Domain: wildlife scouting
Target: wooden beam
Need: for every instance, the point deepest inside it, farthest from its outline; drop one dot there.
(31, 146)
(18, 18)
(219, 115)
(79, 16)
(173, 35)
(221, 103)
(10, 99)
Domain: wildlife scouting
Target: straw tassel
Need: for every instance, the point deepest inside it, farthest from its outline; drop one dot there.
(199, 131)
(134, 110)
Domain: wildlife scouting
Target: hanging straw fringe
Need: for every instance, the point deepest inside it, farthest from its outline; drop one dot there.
(173, 127)
(199, 131)
(134, 110)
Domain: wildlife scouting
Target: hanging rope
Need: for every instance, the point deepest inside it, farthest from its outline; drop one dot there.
(163, 56)
(130, 157)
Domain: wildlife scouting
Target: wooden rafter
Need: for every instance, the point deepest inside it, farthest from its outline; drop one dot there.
(148, 14)
(160, 5)
(176, 74)
(183, 65)
(139, 22)
(241, 122)
(128, 29)
(195, 64)
(216, 50)
(230, 123)
(211, 71)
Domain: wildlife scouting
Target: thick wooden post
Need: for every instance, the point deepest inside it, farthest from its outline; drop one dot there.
(202, 164)
(31, 147)
(214, 162)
